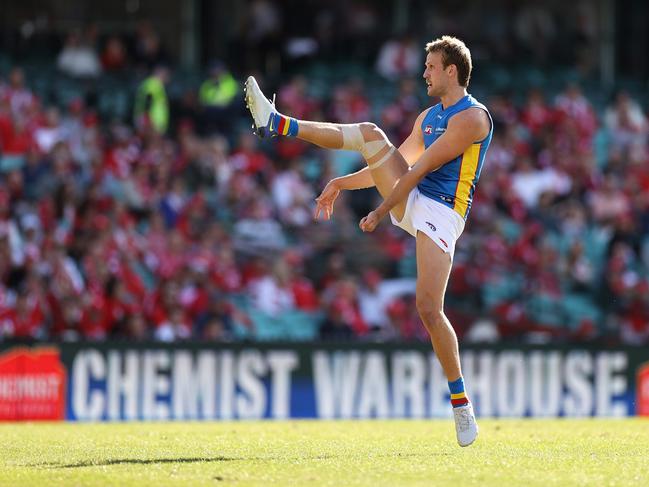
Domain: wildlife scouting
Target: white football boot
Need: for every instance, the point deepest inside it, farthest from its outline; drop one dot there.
(466, 427)
(261, 109)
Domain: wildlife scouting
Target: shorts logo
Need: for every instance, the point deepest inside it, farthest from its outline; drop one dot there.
(428, 130)
(432, 227)
(445, 244)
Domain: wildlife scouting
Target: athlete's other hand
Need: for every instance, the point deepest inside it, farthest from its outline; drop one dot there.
(325, 202)
(369, 223)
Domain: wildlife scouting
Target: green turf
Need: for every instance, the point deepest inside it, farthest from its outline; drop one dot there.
(343, 453)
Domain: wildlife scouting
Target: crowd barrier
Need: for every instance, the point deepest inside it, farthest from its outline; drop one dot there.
(187, 381)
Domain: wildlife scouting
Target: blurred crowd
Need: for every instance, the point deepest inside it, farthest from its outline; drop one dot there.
(179, 224)
(279, 35)
(558, 242)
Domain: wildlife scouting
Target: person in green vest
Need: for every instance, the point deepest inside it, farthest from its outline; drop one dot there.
(151, 102)
(216, 96)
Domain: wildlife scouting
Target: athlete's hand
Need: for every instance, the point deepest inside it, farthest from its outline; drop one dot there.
(369, 223)
(325, 202)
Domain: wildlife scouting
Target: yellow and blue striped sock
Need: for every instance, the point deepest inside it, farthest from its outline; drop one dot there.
(458, 396)
(284, 125)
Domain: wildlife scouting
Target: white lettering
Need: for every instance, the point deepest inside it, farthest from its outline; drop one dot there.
(194, 383)
(578, 367)
(88, 365)
(155, 384)
(123, 385)
(227, 385)
(408, 375)
(335, 383)
(251, 401)
(545, 386)
(281, 364)
(439, 395)
(478, 380)
(510, 384)
(29, 387)
(374, 387)
(608, 384)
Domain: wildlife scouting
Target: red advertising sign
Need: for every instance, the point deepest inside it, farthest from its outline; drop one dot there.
(642, 394)
(32, 385)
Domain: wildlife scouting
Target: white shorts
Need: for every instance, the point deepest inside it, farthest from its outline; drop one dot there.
(442, 224)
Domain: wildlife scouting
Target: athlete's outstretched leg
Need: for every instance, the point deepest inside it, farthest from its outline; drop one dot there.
(387, 165)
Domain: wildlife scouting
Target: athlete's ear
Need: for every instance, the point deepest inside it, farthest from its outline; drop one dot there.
(451, 69)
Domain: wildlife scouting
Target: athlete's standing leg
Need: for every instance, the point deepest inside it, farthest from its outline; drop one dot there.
(433, 270)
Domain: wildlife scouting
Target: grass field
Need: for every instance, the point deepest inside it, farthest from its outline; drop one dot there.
(343, 453)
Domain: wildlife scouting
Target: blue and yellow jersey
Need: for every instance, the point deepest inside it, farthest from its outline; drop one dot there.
(453, 184)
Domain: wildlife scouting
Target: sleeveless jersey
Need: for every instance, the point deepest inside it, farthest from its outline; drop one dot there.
(453, 184)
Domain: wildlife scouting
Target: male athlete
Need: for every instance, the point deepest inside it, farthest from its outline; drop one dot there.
(427, 186)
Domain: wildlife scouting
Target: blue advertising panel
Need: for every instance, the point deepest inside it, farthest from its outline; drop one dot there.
(151, 381)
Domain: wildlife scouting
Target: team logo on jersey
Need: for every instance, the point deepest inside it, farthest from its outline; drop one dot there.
(432, 227)
(428, 130)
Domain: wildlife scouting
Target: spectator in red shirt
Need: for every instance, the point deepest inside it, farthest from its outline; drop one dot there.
(25, 319)
(537, 115)
(113, 57)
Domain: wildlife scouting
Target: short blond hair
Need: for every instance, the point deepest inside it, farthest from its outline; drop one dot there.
(453, 51)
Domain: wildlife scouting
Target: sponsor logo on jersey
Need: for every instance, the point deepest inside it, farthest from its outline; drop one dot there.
(432, 227)
(428, 130)
(445, 244)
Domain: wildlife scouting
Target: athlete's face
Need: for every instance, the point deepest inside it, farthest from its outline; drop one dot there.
(435, 75)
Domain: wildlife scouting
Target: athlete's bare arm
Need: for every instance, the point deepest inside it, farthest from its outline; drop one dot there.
(464, 129)
(411, 149)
